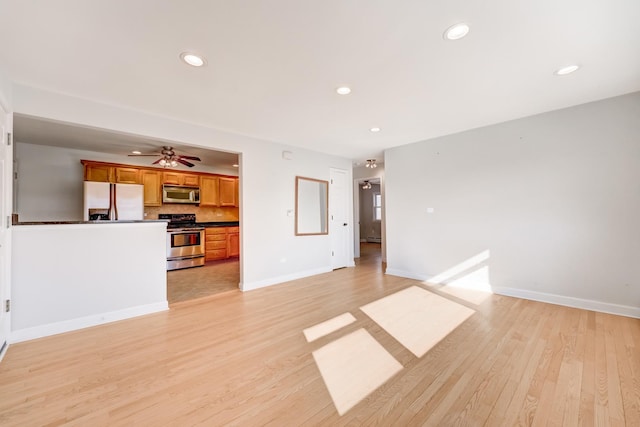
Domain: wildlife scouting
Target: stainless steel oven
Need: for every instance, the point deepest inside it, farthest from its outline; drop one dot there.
(185, 241)
(185, 248)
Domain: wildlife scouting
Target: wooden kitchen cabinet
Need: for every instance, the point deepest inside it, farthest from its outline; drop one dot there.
(227, 191)
(233, 241)
(237, 192)
(127, 175)
(109, 173)
(177, 178)
(215, 246)
(209, 191)
(215, 190)
(97, 172)
(152, 187)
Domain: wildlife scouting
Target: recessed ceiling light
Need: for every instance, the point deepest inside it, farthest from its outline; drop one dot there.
(343, 90)
(375, 129)
(136, 152)
(192, 59)
(456, 32)
(235, 166)
(566, 70)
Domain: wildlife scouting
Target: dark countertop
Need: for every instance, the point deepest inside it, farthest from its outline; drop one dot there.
(219, 224)
(89, 222)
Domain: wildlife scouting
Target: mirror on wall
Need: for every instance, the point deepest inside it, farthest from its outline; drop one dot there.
(311, 206)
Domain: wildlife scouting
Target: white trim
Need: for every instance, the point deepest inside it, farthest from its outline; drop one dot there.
(585, 304)
(281, 279)
(405, 274)
(85, 322)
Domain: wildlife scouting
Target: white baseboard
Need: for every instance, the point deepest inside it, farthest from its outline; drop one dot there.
(84, 322)
(281, 279)
(586, 304)
(405, 274)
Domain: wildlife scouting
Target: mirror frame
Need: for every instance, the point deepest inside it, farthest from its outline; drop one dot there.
(326, 204)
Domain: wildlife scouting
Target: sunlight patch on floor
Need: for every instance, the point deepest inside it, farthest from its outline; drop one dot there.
(354, 366)
(327, 327)
(417, 318)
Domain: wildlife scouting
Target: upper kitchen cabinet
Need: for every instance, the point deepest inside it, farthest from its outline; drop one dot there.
(209, 191)
(127, 175)
(97, 172)
(152, 187)
(176, 178)
(228, 193)
(218, 191)
(105, 172)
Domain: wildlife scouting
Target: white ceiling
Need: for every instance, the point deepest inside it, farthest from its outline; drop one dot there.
(273, 65)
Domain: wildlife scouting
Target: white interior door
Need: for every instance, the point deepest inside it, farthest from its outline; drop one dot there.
(339, 214)
(5, 194)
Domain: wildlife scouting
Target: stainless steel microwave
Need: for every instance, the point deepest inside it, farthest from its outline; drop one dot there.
(175, 194)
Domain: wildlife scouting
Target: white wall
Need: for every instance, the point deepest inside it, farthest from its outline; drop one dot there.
(70, 276)
(270, 251)
(6, 93)
(554, 198)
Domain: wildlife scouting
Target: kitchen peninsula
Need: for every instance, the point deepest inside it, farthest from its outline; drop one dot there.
(75, 274)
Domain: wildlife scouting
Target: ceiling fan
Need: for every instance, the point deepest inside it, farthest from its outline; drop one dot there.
(169, 158)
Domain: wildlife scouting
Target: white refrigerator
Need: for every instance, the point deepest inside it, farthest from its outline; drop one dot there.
(113, 202)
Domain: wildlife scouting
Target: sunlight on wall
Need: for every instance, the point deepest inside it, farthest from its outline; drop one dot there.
(459, 268)
(473, 287)
(468, 280)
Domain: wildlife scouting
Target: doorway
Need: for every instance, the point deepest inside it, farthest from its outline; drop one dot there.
(369, 212)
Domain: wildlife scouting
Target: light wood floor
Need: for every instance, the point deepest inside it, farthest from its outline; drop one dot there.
(213, 278)
(242, 359)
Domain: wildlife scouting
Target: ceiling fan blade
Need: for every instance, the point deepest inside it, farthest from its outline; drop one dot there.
(157, 161)
(143, 155)
(190, 158)
(184, 162)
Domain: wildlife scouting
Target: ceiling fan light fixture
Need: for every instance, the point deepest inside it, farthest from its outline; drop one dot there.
(162, 162)
(366, 186)
(371, 163)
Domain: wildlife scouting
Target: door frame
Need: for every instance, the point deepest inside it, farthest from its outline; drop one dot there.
(8, 146)
(356, 216)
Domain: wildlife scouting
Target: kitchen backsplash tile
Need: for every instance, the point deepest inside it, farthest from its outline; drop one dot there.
(203, 214)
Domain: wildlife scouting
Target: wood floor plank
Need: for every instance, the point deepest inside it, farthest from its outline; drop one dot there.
(242, 359)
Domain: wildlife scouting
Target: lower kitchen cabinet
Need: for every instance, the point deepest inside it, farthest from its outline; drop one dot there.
(215, 243)
(221, 243)
(233, 241)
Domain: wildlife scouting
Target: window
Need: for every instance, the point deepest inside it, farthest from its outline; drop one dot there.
(377, 207)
